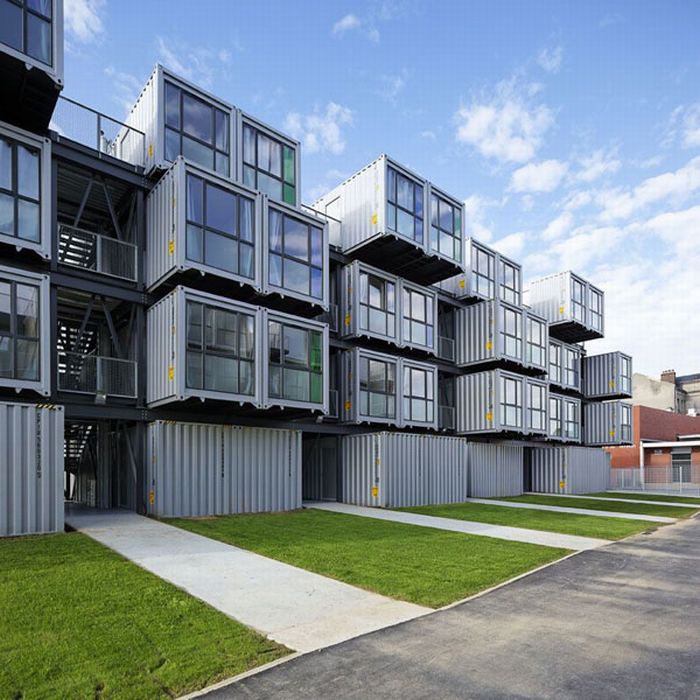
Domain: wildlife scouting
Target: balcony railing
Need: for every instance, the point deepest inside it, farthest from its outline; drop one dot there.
(109, 137)
(446, 417)
(446, 348)
(94, 374)
(92, 251)
(334, 225)
(330, 317)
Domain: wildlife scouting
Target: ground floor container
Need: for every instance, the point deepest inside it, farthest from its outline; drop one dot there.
(495, 469)
(568, 470)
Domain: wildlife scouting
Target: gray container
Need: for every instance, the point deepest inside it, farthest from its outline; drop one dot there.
(573, 306)
(197, 469)
(607, 376)
(396, 470)
(167, 229)
(495, 470)
(564, 365)
(17, 279)
(564, 418)
(607, 423)
(569, 470)
(22, 241)
(31, 469)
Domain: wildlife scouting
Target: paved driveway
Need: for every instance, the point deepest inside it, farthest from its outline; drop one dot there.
(618, 622)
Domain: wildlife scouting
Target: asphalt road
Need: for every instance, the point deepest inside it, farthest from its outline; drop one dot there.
(618, 622)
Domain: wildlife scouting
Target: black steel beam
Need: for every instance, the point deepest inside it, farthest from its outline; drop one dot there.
(102, 287)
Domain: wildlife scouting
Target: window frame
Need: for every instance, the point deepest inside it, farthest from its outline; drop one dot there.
(14, 336)
(625, 422)
(408, 399)
(625, 374)
(573, 371)
(408, 320)
(578, 307)
(542, 346)
(488, 278)
(436, 202)
(365, 307)
(53, 21)
(504, 405)
(541, 410)
(568, 421)
(364, 392)
(505, 337)
(556, 415)
(391, 195)
(507, 292)
(595, 312)
(555, 363)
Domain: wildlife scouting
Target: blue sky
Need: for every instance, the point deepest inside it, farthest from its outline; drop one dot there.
(570, 129)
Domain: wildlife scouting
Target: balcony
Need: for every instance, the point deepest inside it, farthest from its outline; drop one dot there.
(97, 253)
(446, 349)
(97, 375)
(446, 417)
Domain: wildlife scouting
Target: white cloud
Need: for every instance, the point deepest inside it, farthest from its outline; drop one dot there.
(429, 135)
(550, 59)
(511, 245)
(392, 86)
(200, 64)
(585, 245)
(83, 19)
(538, 177)
(506, 125)
(596, 165)
(577, 199)
(126, 87)
(679, 229)
(350, 23)
(475, 224)
(331, 179)
(321, 130)
(559, 226)
(691, 126)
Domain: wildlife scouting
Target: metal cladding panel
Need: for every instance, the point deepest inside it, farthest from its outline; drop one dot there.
(604, 375)
(495, 470)
(197, 469)
(363, 470)
(431, 299)
(43, 384)
(569, 470)
(308, 219)
(43, 246)
(31, 469)
(477, 339)
(607, 423)
(166, 226)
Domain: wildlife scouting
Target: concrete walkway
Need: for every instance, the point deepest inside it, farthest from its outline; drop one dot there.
(695, 506)
(501, 532)
(302, 610)
(575, 511)
(682, 494)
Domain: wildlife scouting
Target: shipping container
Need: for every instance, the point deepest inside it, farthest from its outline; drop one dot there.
(295, 257)
(568, 470)
(396, 470)
(564, 418)
(498, 401)
(386, 222)
(202, 346)
(200, 222)
(178, 118)
(564, 365)
(26, 191)
(607, 423)
(573, 306)
(197, 469)
(31, 469)
(25, 331)
(495, 470)
(607, 376)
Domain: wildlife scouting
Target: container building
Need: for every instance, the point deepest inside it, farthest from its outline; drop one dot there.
(607, 376)
(607, 423)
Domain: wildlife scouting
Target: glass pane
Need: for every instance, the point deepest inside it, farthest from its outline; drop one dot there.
(377, 405)
(6, 363)
(5, 309)
(5, 164)
(418, 201)
(194, 199)
(27, 359)
(221, 252)
(248, 176)
(418, 383)
(7, 214)
(296, 346)
(27, 172)
(296, 385)
(316, 351)
(248, 145)
(391, 217)
(418, 231)
(269, 155)
(404, 224)
(246, 331)
(434, 211)
(172, 106)
(275, 272)
(418, 333)
(404, 192)
(289, 174)
(296, 238)
(195, 244)
(222, 131)
(377, 321)
(221, 209)
(172, 144)
(39, 39)
(274, 385)
(246, 260)
(269, 186)
(389, 289)
(391, 185)
(27, 311)
(377, 376)
(274, 339)
(222, 331)
(196, 118)
(43, 7)
(316, 283)
(28, 221)
(193, 370)
(275, 232)
(197, 152)
(317, 388)
(194, 325)
(290, 196)
(316, 246)
(296, 276)
(222, 164)
(221, 374)
(11, 25)
(245, 231)
(246, 382)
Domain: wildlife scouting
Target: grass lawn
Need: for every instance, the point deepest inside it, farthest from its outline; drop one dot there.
(566, 523)
(648, 497)
(615, 507)
(417, 564)
(79, 621)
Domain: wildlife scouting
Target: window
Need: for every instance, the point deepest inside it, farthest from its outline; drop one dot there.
(596, 308)
(511, 403)
(537, 408)
(295, 362)
(197, 130)
(554, 374)
(445, 228)
(220, 350)
(572, 423)
(509, 276)
(625, 375)
(296, 255)
(269, 165)
(404, 210)
(484, 273)
(625, 422)
(19, 331)
(571, 368)
(578, 301)
(25, 25)
(418, 324)
(377, 305)
(511, 333)
(220, 228)
(377, 388)
(536, 341)
(418, 402)
(20, 198)
(555, 425)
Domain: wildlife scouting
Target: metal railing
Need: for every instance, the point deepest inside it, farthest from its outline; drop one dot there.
(333, 406)
(330, 317)
(446, 417)
(95, 374)
(92, 251)
(446, 348)
(334, 225)
(676, 479)
(109, 137)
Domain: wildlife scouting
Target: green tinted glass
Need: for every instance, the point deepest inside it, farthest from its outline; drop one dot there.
(290, 195)
(317, 388)
(316, 355)
(289, 173)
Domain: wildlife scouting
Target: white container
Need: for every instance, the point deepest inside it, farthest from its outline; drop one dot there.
(607, 376)
(495, 470)
(607, 423)
(569, 470)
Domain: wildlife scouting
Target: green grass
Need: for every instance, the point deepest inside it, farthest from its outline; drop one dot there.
(649, 497)
(79, 621)
(614, 507)
(421, 565)
(566, 523)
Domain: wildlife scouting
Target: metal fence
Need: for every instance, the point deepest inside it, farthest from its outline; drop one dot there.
(681, 479)
(94, 374)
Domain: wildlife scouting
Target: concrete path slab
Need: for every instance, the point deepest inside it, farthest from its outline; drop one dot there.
(578, 511)
(618, 500)
(695, 493)
(501, 532)
(297, 608)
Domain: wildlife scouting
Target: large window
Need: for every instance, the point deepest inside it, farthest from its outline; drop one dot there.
(377, 305)
(625, 375)
(572, 420)
(418, 401)
(484, 273)
(571, 365)
(296, 255)
(269, 165)
(596, 308)
(555, 417)
(295, 362)
(578, 301)
(25, 25)
(19, 331)
(20, 207)
(536, 341)
(404, 210)
(554, 373)
(418, 321)
(445, 228)
(377, 388)
(509, 276)
(537, 408)
(197, 130)
(511, 332)
(511, 402)
(220, 228)
(220, 350)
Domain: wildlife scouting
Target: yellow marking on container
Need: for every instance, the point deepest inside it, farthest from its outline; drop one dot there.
(171, 373)
(561, 310)
(612, 433)
(562, 484)
(461, 284)
(171, 247)
(489, 345)
(375, 492)
(611, 384)
(375, 219)
(150, 150)
(151, 497)
(489, 417)
(348, 318)
(348, 405)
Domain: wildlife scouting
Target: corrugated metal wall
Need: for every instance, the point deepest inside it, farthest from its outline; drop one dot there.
(569, 470)
(162, 225)
(602, 375)
(495, 469)
(603, 423)
(196, 469)
(31, 469)
(476, 334)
